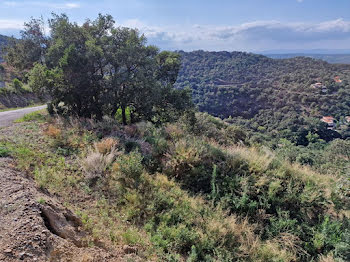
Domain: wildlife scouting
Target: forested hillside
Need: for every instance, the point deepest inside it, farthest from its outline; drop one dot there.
(3, 41)
(268, 95)
(330, 58)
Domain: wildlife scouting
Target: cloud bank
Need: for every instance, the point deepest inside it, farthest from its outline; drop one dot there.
(252, 36)
(54, 5)
(255, 35)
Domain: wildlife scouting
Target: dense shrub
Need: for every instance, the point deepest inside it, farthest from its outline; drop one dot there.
(200, 200)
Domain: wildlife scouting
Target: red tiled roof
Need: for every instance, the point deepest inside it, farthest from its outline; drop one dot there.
(337, 79)
(328, 119)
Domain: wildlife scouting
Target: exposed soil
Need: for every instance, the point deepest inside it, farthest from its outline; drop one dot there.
(18, 100)
(34, 226)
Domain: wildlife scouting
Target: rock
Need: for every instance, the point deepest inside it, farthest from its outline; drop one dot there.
(21, 255)
(58, 224)
(37, 237)
(7, 251)
(129, 250)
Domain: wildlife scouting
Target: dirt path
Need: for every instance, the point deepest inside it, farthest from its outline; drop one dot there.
(36, 227)
(7, 117)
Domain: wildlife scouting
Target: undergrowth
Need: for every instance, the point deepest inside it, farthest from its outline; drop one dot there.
(187, 192)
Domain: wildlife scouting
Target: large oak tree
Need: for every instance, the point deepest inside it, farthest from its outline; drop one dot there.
(95, 69)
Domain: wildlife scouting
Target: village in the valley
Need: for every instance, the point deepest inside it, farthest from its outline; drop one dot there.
(332, 122)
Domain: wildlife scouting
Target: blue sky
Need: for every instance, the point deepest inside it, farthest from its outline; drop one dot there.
(244, 25)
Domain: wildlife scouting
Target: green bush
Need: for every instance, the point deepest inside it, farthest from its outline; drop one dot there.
(129, 169)
(17, 84)
(4, 152)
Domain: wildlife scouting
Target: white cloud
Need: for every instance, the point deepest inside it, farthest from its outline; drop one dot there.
(249, 36)
(55, 5)
(8, 24)
(252, 36)
(72, 5)
(9, 3)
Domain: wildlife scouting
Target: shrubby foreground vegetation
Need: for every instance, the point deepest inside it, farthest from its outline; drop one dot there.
(140, 166)
(186, 191)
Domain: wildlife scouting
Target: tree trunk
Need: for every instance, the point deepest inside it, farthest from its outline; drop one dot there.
(124, 115)
(131, 117)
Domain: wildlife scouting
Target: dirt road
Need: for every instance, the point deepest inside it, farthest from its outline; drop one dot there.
(34, 226)
(7, 117)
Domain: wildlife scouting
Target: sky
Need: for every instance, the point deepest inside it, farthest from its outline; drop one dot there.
(214, 25)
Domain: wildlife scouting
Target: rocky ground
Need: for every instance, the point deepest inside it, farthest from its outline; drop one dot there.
(35, 226)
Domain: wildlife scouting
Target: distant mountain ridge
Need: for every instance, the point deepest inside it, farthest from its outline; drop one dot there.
(330, 58)
(276, 95)
(334, 56)
(306, 51)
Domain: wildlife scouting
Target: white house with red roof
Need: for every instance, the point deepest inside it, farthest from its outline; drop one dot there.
(329, 120)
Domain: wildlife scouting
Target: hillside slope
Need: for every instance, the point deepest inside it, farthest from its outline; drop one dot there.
(181, 192)
(3, 41)
(330, 58)
(274, 95)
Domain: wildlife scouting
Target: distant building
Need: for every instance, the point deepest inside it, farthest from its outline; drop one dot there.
(329, 120)
(320, 86)
(347, 119)
(317, 85)
(337, 79)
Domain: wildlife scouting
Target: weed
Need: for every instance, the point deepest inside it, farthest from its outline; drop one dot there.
(4, 152)
(42, 201)
(53, 132)
(106, 146)
(95, 163)
(34, 116)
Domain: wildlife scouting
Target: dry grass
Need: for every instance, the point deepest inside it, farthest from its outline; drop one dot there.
(100, 158)
(131, 130)
(231, 231)
(53, 131)
(328, 258)
(95, 164)
(261, 160)
(106, 145)
(174, 131)
(272, 251)
(243, 233)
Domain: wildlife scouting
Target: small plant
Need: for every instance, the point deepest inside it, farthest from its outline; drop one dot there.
(4, 152)
(173, 131)
(41, 201)
(17, 84)
(131, 237)
(96, 164)
(106, 145)
(53, 131)
(129, 169)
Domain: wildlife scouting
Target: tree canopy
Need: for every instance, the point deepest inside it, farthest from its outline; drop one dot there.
(96, 68)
